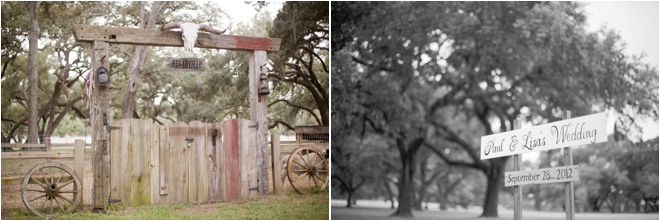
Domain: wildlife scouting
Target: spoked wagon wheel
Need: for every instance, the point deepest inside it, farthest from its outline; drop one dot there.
(307, 170)
(51, 189)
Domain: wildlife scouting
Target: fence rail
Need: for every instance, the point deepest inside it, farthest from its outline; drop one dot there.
(18, 145)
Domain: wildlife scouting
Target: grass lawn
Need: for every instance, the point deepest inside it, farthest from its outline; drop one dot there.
(374, 213)
(287, 205)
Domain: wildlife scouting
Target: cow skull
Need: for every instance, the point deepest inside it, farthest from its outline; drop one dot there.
(189, 32)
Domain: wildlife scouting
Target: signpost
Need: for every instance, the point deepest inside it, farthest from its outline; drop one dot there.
(185, 64)
(569, 132)
(577, 131)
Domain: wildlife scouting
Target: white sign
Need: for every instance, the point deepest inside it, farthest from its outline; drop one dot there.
(547, 175)
(575, 131)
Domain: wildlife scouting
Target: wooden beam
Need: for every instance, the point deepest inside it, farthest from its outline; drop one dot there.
(14, 145)
(99, 53)
(311, 129)
(153, 37)
(517, 190)
(78, 165)
(259, 114)
(37, 155)
(18, 180)
(569, 191)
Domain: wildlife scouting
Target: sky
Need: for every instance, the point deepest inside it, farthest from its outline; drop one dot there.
(637, 23)
(239, 11)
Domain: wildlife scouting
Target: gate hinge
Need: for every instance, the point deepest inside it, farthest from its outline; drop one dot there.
(109, 128)
(111, 201)
(254, 126)
(255, 188)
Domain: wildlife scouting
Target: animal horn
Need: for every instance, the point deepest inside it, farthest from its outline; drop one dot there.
(171, 25)
(211, 30)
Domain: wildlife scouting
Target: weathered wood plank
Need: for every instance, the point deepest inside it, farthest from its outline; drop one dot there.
(198, 177)
(18, 145)
(124, 184)
(216, 166)
(155, 168)
(275, 160)
(139, 162)
(18, 180)
(99, 53)
(134, 161)
(178, 163)
(153, 37)
(116, 164)
(38, 155)
(232, 169)
(164, 161)
(248, 161)
(78, 164)
(311, 129)
(258, 114)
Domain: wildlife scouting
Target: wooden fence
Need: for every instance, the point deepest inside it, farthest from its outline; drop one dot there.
(309, 136)
(78, 155)
(179, 163)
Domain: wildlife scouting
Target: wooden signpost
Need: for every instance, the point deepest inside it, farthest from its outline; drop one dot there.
(185, 64)
(588, 129)
(569, 132)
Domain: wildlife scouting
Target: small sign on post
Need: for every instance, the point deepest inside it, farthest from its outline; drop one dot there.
(185, 64)
(546, 175)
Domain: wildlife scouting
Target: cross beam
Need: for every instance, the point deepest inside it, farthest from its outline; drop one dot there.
(153, 37)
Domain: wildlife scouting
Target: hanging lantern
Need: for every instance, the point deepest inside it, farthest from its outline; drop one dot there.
(102, 76)
(263, 84)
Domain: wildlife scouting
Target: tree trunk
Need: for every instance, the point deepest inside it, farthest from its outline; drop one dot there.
(137, 60)
(33, 65)
(349, 202)
(495, 176)
(405, 184)
(386, 183)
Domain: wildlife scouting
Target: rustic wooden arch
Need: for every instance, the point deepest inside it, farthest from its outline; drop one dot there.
(100, 38)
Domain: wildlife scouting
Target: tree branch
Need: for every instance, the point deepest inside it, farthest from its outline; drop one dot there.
(300, 107)
(452, 162)
(276, 122)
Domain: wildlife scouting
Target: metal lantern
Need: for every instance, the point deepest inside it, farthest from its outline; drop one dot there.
(102, 76)
(263, 84)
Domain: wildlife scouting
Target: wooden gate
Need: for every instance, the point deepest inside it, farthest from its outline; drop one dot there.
(179, 163)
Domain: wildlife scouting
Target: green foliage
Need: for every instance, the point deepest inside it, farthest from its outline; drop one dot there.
(300, 69)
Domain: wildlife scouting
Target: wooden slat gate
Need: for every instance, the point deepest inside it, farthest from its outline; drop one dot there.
(154, 164)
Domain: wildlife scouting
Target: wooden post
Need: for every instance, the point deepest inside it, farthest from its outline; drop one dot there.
(101, 157)
(275, 154)
(569, 191)
(78, 164)
(517, 190)
(258, 114)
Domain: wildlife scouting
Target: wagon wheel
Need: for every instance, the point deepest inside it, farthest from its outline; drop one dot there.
(307, 170)
(51, 189)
